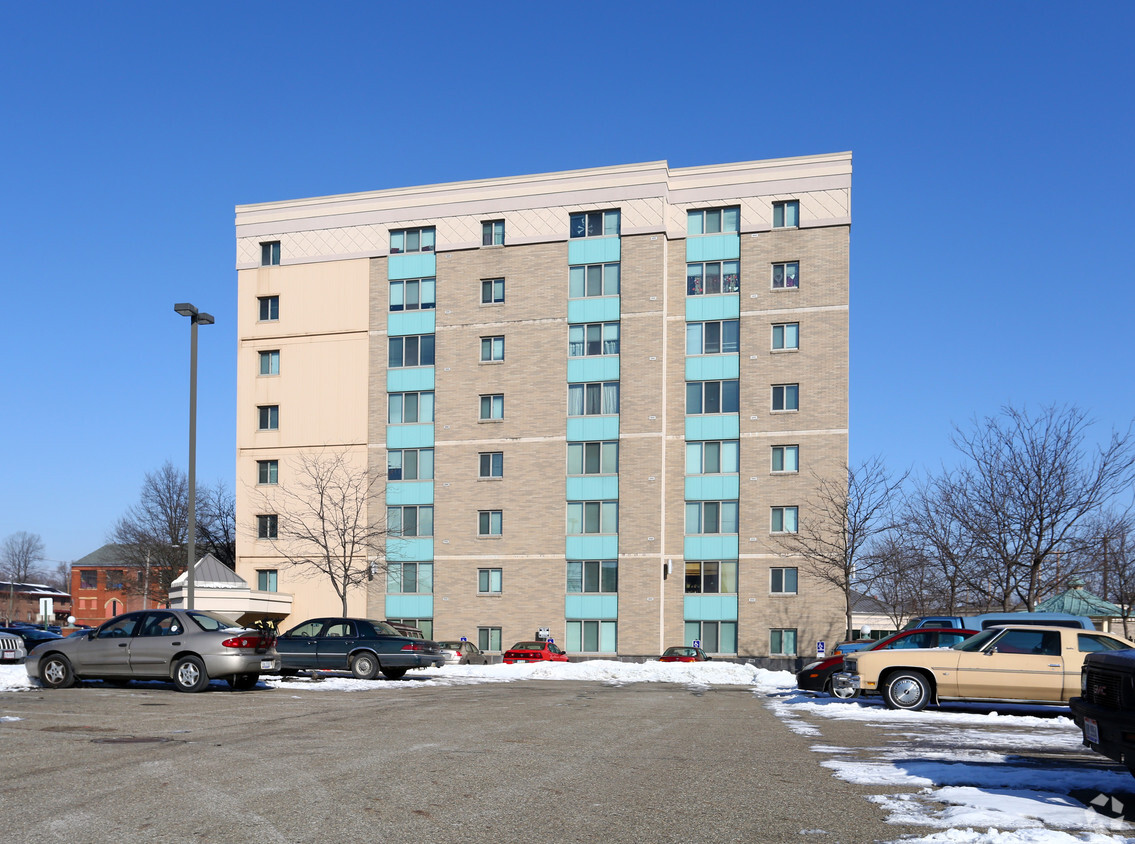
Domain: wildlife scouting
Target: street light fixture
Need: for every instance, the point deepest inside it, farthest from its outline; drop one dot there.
(195, 318)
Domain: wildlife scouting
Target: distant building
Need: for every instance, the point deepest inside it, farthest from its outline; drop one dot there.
(21, 602)
(104, 584)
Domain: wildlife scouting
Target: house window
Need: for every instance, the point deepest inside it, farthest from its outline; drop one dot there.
(593, 576)
(411, 350)
(595, 224)
(591, 636)
(413, 294)
(270, 362)
(596, 338)
(715, 637)
(114, 578)
(270, 253)
(782, 581)
(488, 581)
(492, 291)
(268, 417)
(590, 280)
(713, 338)
(786, 214)
(711, 517)
(410, 520)
(267, 471)
(491, 464)
(597, 458)
(267, 527)
(269, 308)
(410, 464)
(786, 335)
(492, 406)
(786, 458)
(713, 277)
(89, 579)
(713, 577)
(492, 233)
(784, 519)
(410, 578)
(782, 641)
(489, 638)
(713, 458)
(492, 348)
(597, 399)
(266, 580)
(712, 397)
(489, 523)
(592, 517)
(785, 396)
(713, 220)
(405, 408)
(412, 240)
(786, 276)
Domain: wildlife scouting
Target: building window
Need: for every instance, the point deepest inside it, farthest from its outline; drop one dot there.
(411, 350)
(492, 348)
(786, 458)
(492, 291)
(410, 578)
(89, 579)
(786, 214)
(406, 408)
(595, 224)
(492, 233)
(489, 638)
(785, 396)
(592, 637)
(596, 338)
(413, 294)
(488, 581)
(114, 578)
(492, 406)
(597, 399)
(266, 580)
(269, 308)
(491, 464)
(715, 637)
(410, 464)
(782, 641)
(597, 458)
(270, 362)
(592, 517)
(590, 280)
(410, 520)
(711, 517)
(713, 458)
(713, 220)
(268, 417)
(713, 277)
(786, 276)
(786, 335)
(489, 523)
(593, 576)
(713, 338)
(412, 240)
(267, 471)
(784, 519)
(715, 577)
(267, 527)
(783, 581)
(712, 397)
(425, 625)
(270, 253)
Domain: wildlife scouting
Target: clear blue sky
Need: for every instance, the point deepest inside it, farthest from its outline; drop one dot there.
(992, 245)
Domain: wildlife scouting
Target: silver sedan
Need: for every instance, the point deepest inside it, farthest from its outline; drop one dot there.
(189, 647)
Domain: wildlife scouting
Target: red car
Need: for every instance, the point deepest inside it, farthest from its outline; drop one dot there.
(534, 652)
(684, 655)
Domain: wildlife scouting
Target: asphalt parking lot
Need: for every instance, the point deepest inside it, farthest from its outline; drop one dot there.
(532, 761)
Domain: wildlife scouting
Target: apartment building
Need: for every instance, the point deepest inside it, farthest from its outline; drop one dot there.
(594, 402)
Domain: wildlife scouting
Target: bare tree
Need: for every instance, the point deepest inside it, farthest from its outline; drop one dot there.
(20, 556)
(1105, 562)
(216, 523)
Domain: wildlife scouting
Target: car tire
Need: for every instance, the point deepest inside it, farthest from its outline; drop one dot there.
(243, 682)
(909, 690)
(394, 673)
(842, 693)
(189, 674)
(55, 672)
(364, 666)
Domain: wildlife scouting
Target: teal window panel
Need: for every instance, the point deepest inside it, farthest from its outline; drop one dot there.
(410, 492)
(415, 265)
(409, 379)
(593, 488)
(409, 549)
(710, 547)
(588, 428)
(410, 606)
(723, 306)
(711, 488)
(710, 367)
(409, 436)
(411, 322)
(713, 426)
(591, 250)
(593, 548)
(594, 309)
(713, 247)
(710, 608)
(605, 368)
(591, 606)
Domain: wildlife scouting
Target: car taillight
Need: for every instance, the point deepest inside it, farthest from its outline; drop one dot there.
(243, 642)
(414, 646)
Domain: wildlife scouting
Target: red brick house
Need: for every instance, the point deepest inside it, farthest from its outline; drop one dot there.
(103, 585)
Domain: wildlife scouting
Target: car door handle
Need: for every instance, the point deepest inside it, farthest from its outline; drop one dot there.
(176, 644)
(1054, 665)
(123, 644)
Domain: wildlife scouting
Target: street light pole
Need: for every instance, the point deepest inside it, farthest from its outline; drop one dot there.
(195, 317)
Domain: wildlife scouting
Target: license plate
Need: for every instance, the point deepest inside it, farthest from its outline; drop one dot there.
(266, 664)
(9, 654)
(1091, 731)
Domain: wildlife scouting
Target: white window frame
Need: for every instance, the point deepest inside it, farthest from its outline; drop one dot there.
(725, 449)
(608, 333)
(490, 522)
(268, 309)
(583, 224)
(780, 210)
(781, 275)
(267, 472)
(396, 526)
(785, 394)
(786, 515)
(492, 349)
(492, 291)
(495, 464)
(788, 336)
(608, 453)
(493, 577)
(270, 253)
(494, 402)
(728, 278)
(399, 238)
(423, 290)
(703, 388)
(697, 337)
(783, 571)
(603, 515)
(269, 362)
(423, 410)
(722, 514)
(583, 278)
(492, 233)
(423, 469)
(268, 417)
(784, 451)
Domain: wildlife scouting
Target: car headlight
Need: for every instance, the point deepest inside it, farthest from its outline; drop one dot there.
(1083, 681)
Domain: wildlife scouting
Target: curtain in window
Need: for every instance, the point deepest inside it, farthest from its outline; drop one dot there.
(611, 398)
(594, 405)
(576, 335)
(729, 576)
(575, 399)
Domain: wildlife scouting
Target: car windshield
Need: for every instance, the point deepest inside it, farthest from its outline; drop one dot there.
(384, 628)
(214, 621)
(452, 646)
(978, 641)
(680, 652)
(528, 646)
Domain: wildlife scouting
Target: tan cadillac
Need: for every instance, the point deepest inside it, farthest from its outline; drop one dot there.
(1019, 663)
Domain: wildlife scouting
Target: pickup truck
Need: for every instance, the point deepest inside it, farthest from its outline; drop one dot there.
(993, 619)
(1105, 709)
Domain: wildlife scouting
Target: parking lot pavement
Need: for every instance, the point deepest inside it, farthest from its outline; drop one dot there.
(534, 761)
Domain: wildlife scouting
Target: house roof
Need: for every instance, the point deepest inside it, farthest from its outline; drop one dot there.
(1079, 601)
(866, 604)
(108, 555)
(41, 590)
(211, 573)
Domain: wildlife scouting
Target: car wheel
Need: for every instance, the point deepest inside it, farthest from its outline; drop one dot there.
(189, 674)
(909, 690)
(55, 671)
(842, 692)
(364, 667)
(243, 682)
(394, 673)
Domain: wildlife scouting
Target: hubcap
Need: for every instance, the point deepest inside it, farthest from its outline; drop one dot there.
(188, 674)
(54, 672)
(906, 692)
